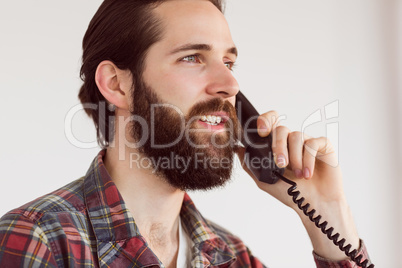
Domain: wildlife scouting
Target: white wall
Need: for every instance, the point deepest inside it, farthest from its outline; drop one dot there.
(295, 57)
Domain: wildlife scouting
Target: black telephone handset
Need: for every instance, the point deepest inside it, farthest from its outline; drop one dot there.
(258, 155)
(259, 160)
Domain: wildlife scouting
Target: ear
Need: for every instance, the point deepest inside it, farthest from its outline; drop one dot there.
(114, 84)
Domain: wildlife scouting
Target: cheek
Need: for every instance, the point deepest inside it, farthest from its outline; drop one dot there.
(181, 90)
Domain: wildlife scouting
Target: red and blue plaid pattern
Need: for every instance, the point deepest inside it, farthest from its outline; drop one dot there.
(86, 224)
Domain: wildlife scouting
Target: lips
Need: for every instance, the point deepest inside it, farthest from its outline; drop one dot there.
(214, 119)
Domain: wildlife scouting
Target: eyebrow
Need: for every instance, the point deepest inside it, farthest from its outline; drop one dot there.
(205, 47)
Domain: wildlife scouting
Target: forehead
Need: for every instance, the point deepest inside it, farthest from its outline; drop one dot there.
(198, 21)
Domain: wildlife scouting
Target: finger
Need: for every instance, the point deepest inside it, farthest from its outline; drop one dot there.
(296, 143)
(312, 148)
(280, 146)
(265, 123)
(278, 189)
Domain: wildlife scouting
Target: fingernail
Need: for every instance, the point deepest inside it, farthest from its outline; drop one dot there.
(262, 129)
(281, 161)
(306, 173)
(298, 173)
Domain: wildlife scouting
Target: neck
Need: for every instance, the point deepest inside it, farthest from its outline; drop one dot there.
(154, 204)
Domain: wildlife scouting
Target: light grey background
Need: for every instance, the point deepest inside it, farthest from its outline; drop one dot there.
(296, 57)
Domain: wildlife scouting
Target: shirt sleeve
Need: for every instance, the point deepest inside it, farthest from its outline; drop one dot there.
(326, 263)
(254, 261)
(23, 243)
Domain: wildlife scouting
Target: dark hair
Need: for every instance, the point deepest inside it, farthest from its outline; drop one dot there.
(121, 31)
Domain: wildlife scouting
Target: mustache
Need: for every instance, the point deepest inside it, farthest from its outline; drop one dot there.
(213, 105)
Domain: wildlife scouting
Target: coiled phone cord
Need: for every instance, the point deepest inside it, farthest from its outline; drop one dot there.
(323, 225)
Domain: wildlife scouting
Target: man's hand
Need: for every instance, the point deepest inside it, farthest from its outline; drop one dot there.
(312, 164)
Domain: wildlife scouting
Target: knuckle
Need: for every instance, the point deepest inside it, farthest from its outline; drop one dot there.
(327, 145)
(325, 140)
(295, 136)
(273, 113)
(312, 143)
(282, 129)
(271, 116)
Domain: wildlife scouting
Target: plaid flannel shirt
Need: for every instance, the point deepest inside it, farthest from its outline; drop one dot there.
(86, 224)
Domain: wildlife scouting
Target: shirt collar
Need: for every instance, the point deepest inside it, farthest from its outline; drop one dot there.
(210, 248)
(118, 235)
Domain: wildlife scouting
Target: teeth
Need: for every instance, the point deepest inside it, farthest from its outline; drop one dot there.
(212, 119)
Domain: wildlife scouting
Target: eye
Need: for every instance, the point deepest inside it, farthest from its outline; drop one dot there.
(192, 58)
(230, 65)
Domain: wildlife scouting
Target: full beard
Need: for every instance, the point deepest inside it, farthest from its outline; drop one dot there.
(186, 157)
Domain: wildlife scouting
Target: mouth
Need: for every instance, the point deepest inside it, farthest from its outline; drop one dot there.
(214, 119)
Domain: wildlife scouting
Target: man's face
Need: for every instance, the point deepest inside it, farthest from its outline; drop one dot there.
(189, 69)
(183, 77)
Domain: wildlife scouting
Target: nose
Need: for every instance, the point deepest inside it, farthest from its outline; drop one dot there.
(222, 83)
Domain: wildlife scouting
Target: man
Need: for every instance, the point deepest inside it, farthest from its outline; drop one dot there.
(164, 70)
